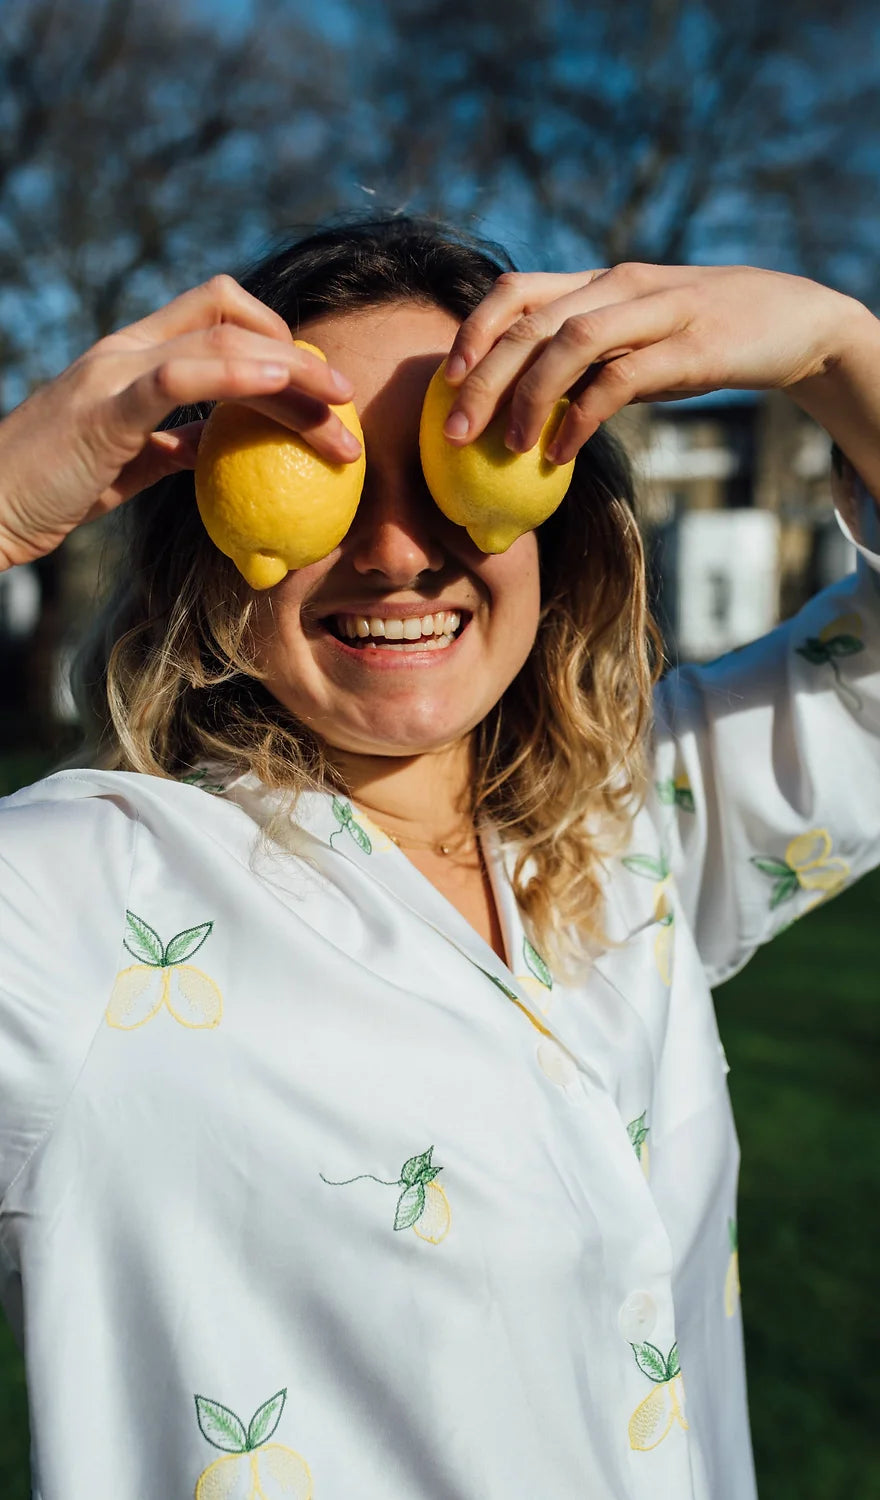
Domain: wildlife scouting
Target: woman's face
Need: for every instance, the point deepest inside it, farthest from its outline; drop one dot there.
(400, 561)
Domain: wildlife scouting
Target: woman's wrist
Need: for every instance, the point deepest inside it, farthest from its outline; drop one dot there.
(844, 396)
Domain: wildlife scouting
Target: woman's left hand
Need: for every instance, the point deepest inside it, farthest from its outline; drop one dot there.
(643, 333)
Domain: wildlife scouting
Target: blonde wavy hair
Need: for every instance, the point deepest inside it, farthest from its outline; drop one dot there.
(167, 677)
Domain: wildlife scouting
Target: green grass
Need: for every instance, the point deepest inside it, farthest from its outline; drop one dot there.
(801, 1031)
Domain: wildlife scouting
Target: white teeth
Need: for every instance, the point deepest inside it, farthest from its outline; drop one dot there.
(427, 628)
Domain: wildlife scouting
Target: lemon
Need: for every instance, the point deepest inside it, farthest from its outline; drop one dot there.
(267, 499)
(495, 494)
(269, 1473)
(653, 1417)
(191, 996)
(434, 1221)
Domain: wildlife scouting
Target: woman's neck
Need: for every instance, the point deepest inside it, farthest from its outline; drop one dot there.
(423, 798)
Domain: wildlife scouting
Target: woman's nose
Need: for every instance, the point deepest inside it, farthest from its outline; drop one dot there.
(395, 532)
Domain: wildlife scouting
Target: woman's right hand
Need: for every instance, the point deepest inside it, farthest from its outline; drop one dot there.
(85, 442)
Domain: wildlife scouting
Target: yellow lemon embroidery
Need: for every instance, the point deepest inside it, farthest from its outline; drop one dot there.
(163, 978)
(379, 841)
(657, 869)
(808, 865)
(731, 1280)
(839, 638)
(638, 1133)
(653, 1417)
(252, 1468)
(422, 1205)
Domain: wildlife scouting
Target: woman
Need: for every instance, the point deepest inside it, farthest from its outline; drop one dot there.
(360, 1079)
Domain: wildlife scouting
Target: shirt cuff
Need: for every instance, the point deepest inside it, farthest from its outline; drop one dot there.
(858, 513)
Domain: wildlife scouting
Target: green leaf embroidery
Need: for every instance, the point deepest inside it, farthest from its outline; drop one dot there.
(684, 798)
(143, 942)
(265, 1419)
(673, 1363)
(220, 1426)
(651, 1362)
(645, 864)
(768, 866)
(360, 836)
(410, 1207)
(347, 824)
(638, 1132)
(341, 812)
(844, 645)
(783, 890)
(666, 791)
(200, 779)
(413, 1171)
(186, 943)
(499, 984)
(536, 965)
(813, 651)
(732, 1234)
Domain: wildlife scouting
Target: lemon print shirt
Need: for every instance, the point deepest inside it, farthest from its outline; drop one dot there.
(305, 1192)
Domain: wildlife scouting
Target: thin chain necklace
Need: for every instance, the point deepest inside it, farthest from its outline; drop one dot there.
(437, 846)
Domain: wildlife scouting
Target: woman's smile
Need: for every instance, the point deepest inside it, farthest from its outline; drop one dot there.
(404, 638)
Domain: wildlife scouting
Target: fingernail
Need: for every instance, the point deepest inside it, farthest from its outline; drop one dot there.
(553, 454)
(455, 367)
(351, 444)
(341, 383)
(456, 425)
(513, 438)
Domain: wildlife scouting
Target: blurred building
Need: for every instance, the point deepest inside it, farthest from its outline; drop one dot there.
(735, 501)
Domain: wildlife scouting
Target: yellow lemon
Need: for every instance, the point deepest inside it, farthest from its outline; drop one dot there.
(495, 494)
(654, 1416)
(191, 996)
(731, 1284)
(267, 499)
(434, 1221)
(271, 1472)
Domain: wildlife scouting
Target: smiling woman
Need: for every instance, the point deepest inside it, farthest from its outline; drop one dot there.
(530, 712)
(396, 866)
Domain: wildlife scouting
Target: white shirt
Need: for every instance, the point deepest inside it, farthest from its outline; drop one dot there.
(304, 1191)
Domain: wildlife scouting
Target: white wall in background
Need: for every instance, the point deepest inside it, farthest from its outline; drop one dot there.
(726, 580)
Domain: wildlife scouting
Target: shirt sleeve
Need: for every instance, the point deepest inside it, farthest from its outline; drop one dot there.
(767, 765)
(65, 866)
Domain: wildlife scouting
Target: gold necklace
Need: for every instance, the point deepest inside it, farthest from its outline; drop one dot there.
(436, 846)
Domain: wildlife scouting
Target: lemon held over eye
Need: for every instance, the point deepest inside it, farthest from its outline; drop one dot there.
(495, 494)
(267, 499)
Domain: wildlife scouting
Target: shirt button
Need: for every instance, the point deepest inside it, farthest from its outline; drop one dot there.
(555, 1063)
(637, 1317)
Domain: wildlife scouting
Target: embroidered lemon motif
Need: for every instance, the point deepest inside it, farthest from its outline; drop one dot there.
(349, 824)
(537, 981)
(252, 1468)
(163, 977)
(676, 792)
(841, 637)
(657, 869)
(653, 1418)
(808, 865)
(422, 1205)
(638, 1132)
(731, 1280)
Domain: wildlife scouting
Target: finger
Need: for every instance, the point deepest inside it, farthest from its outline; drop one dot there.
(158, 459)
(513, 294)
(532, 338)
(220, 300)
(583, 341)
(306, 370)
(187, 380)
(665, 371)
